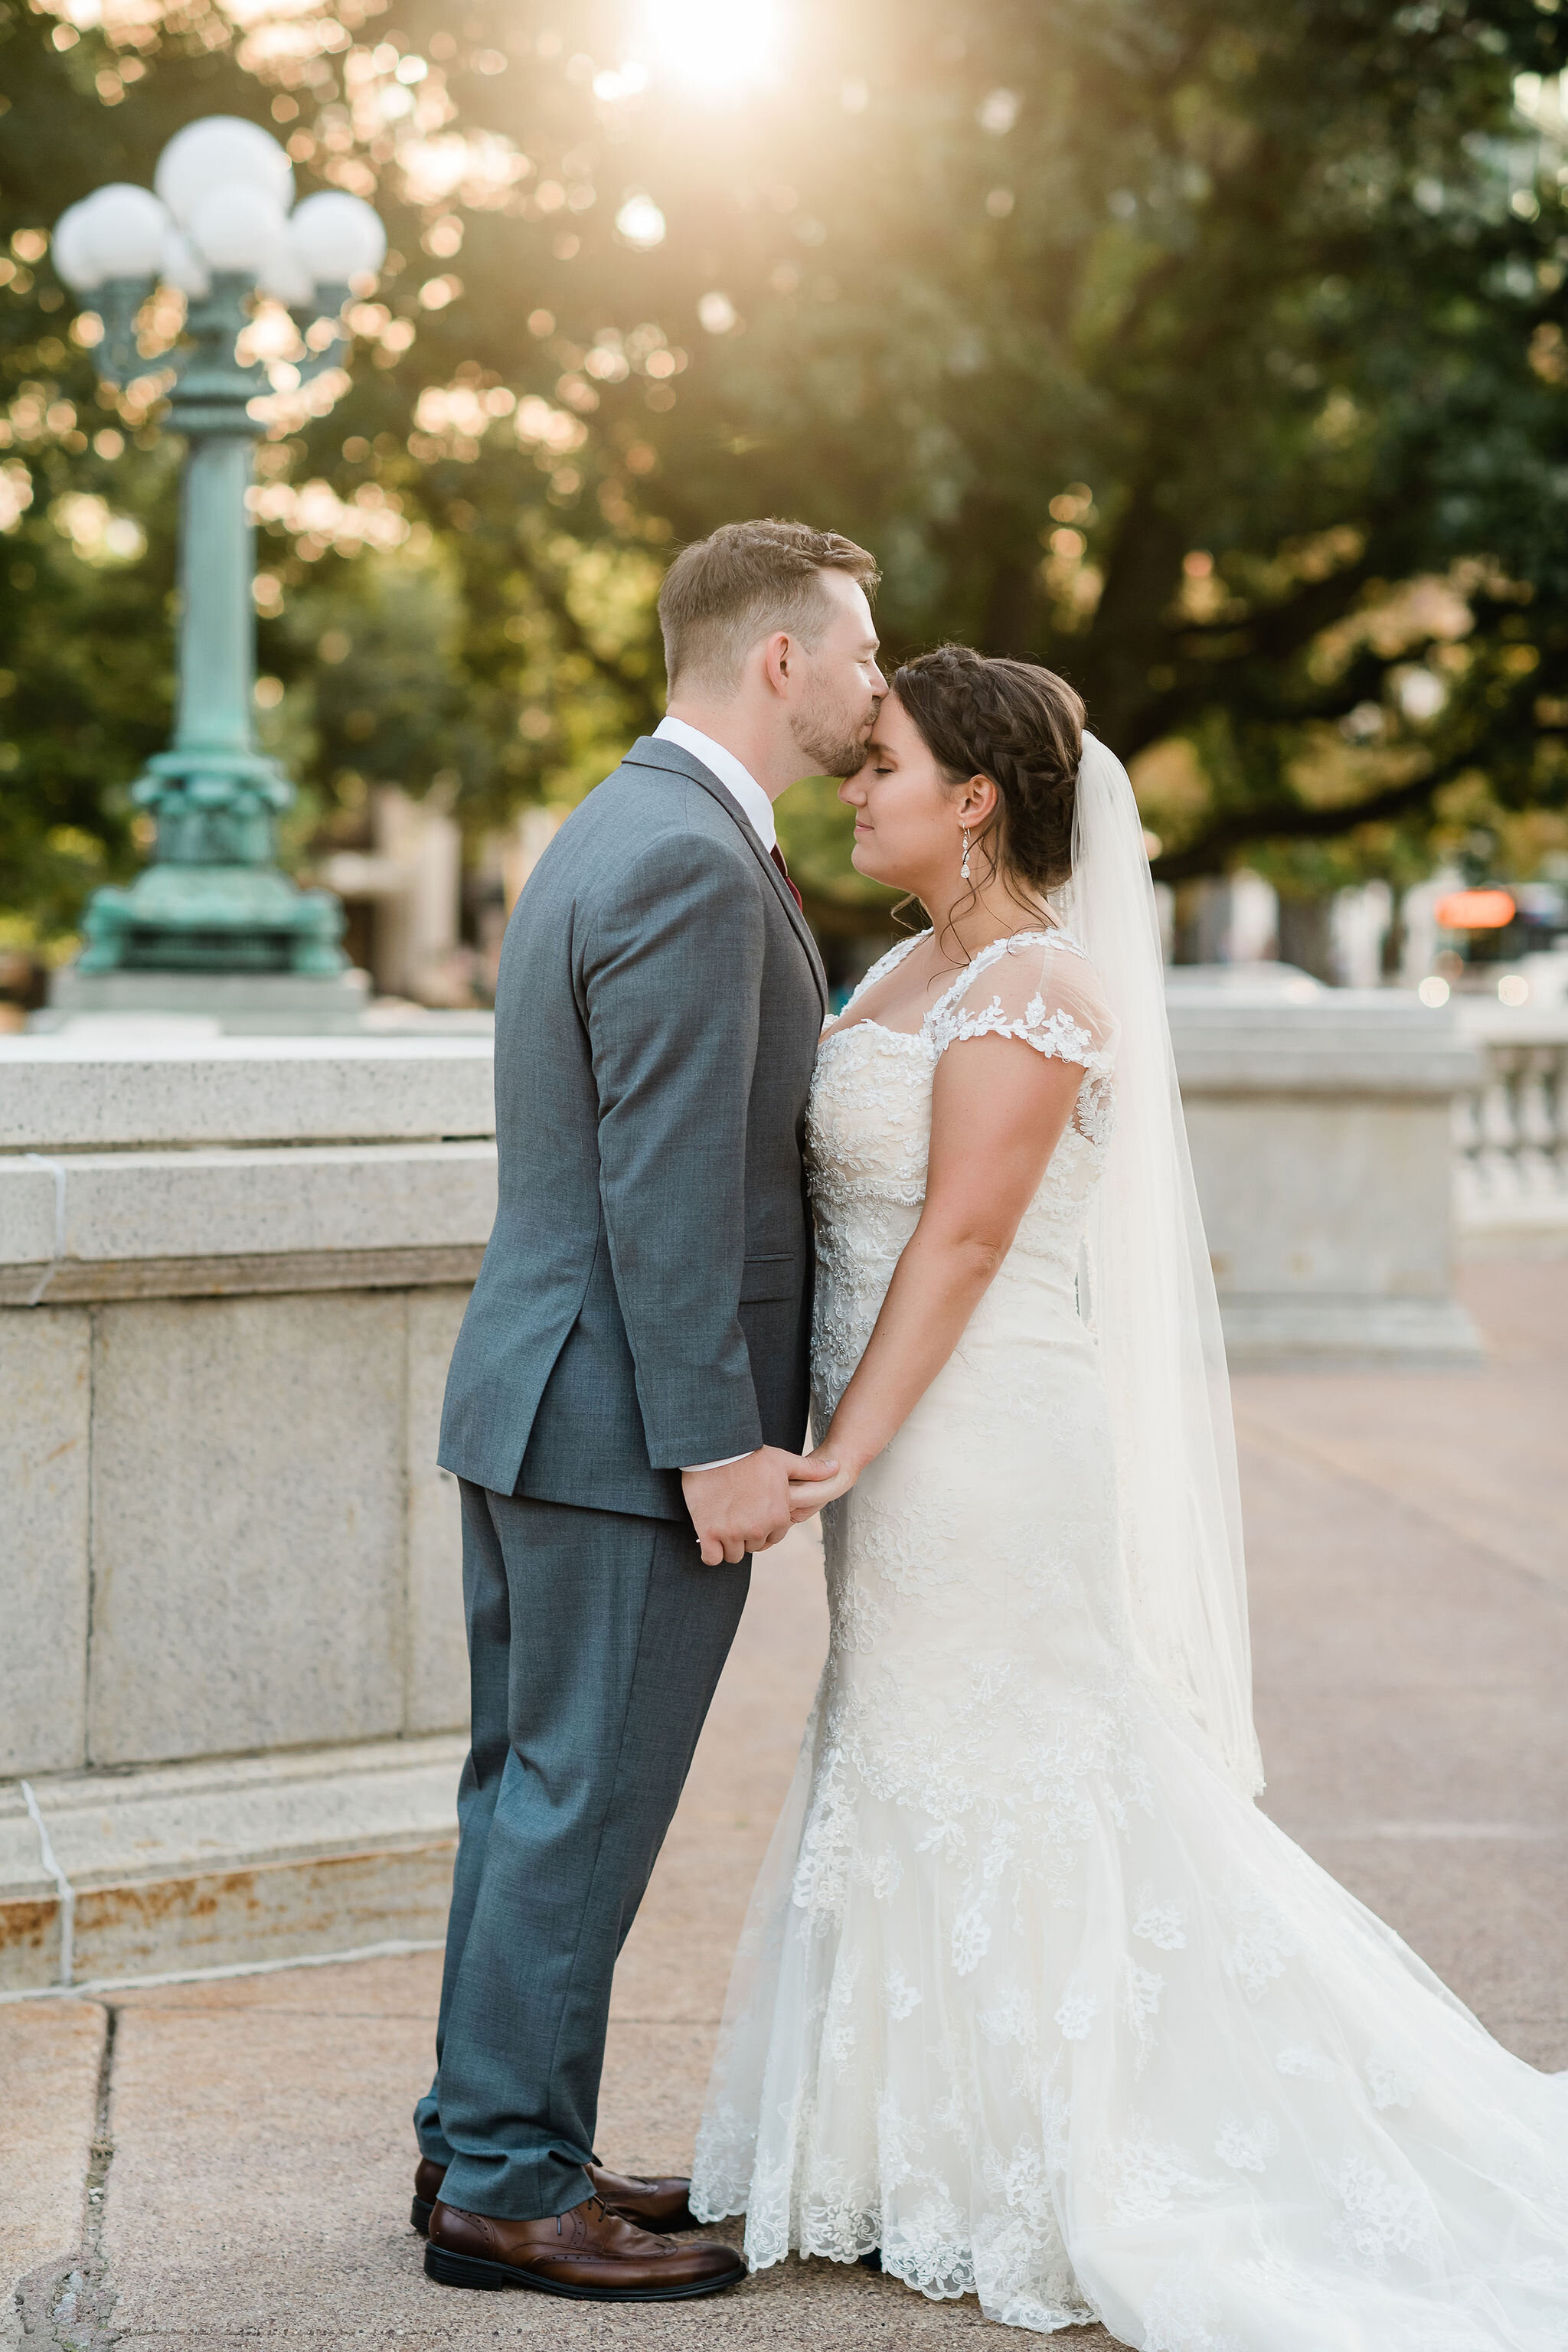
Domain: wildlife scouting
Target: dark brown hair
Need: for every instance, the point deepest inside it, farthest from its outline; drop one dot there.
(742, 583)
(1018, 724)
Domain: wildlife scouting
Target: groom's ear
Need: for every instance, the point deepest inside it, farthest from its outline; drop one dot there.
(779, 659)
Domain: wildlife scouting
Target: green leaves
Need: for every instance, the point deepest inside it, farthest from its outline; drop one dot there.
(1167, 341)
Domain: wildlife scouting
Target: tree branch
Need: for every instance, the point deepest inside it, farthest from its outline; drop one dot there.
(1293, 820)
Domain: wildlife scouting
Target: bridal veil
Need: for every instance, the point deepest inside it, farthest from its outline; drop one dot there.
(1152, 1301)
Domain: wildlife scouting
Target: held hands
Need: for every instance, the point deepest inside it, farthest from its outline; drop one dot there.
(826, 1473)
(748, 1505)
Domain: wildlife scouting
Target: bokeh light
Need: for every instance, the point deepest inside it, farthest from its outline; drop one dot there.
(640, 222)
(1473, 910)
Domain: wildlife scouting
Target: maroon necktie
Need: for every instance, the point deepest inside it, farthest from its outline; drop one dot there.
(776, 853)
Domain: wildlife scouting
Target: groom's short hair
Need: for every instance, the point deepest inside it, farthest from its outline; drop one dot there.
(742, 583)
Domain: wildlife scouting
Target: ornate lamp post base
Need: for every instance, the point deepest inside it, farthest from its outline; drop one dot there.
(216, 919)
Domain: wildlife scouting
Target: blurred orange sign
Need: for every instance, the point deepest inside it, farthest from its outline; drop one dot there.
(1473, 910)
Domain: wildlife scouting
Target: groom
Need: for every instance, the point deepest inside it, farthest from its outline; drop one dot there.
(627, 1397)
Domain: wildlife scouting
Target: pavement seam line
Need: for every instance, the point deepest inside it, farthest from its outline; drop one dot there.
(63, 1887)
(66, 2306)
(96, 2288)
(103, 2295)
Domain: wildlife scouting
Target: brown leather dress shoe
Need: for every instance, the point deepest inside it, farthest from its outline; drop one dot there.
(427, 2178)
(588, 2253)
(651, 2204)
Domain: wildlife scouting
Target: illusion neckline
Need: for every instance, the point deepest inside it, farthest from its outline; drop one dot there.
(1057, 934)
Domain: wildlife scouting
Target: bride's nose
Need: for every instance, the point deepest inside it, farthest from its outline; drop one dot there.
(852, 791)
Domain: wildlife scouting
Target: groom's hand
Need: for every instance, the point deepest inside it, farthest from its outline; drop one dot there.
(744, 1506)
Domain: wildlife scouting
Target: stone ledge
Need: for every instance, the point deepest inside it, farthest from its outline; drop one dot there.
(1284, 1333)
(202, 1865)
(1488, 1023)
(99, 1224)
(70, 1092)
(1339, 1041)
(73, 1284)
(259, 1003)
(1542, 1239)
(1510, 1220)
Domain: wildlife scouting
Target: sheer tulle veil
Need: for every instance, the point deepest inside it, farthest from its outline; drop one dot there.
(1153, 1304)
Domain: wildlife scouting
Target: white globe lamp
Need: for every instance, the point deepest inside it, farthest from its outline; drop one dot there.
(338, 237)
(224, 150)
(123, 228)
(237, 226)
(75, 258)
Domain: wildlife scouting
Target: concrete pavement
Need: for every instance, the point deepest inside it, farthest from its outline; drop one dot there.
(229, 2160)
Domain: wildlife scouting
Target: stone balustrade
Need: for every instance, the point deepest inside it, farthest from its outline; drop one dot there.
(1511, 1132)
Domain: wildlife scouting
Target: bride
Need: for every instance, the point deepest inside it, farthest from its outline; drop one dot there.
(1032, 1999)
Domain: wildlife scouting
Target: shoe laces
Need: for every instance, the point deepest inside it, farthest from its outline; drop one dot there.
(575, 2212)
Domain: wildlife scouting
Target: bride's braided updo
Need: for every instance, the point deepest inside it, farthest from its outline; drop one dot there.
(1018, 724)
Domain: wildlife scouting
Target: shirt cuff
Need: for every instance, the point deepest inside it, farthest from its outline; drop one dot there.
(690, 1467)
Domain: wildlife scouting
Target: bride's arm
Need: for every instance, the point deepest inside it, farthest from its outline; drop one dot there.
(998, 1111)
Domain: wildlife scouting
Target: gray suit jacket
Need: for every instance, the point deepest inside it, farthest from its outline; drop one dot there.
(645, 1299)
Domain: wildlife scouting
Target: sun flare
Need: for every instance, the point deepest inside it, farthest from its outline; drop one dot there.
(711, 45)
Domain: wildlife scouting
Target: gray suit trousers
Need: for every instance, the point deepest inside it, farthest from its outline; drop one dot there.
(596, 1640)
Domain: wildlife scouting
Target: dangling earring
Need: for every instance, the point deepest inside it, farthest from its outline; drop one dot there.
(963, 868)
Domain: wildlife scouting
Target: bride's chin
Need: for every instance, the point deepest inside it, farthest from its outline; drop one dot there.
(864, 861)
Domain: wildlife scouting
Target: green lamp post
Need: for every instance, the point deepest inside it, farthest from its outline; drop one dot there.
(212, 900)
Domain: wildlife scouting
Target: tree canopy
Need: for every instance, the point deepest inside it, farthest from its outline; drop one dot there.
(1210, 351)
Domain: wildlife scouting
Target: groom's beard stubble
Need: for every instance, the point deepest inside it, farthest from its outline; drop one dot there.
(827, 739)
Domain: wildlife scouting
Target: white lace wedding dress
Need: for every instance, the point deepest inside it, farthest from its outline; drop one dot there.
(1029, 1997)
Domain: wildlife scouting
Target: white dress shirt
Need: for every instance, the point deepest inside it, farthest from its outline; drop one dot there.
(758, 810)
(737, 782)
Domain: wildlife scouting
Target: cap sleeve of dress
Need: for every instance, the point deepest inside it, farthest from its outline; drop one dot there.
(1043, 992)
